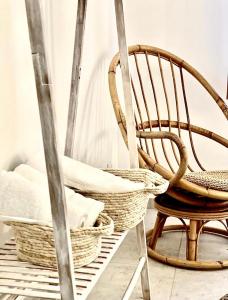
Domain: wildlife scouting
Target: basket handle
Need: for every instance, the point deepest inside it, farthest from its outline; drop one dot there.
(107, 226)
(158, 189)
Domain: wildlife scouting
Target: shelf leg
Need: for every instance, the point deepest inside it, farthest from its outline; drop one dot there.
(145, 281)
(75, 77)
(131, 133)
(55, 182)
(134, 279)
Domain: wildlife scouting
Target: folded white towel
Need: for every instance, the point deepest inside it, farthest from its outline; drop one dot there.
(24, 194)
(20, 198)
(87, 178)
(37, 177)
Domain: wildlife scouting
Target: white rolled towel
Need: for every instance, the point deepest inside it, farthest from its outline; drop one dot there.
(87, 178)
(24, 193)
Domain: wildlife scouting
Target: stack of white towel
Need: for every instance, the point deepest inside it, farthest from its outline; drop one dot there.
(24, 192)
(87, 178)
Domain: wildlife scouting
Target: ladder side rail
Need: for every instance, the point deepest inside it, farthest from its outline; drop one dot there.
(55, 181)
(131, 134)
(75, 77)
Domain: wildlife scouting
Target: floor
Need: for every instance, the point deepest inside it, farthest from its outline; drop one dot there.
(168, 283)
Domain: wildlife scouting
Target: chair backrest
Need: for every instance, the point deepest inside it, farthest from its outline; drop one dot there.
(162, 98)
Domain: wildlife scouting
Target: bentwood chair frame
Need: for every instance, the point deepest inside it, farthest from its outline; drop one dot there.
(184, 199)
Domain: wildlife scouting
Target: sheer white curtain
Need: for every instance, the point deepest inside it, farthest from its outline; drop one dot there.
(98, 141)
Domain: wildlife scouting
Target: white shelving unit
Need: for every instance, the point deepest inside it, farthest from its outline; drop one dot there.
(20, 279)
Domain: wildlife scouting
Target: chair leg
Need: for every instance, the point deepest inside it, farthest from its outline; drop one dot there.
(199, 226)
(192, 239)
(157, 230)
(160, 229)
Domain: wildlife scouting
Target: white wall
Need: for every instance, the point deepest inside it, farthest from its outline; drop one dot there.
(19, 119)
(19, 126)
(97, 136)
(195, 30)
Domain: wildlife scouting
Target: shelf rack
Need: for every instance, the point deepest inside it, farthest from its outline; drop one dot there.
(27, 280)
(20, 279)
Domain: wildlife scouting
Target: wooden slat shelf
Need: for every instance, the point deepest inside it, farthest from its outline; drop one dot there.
(20, 279)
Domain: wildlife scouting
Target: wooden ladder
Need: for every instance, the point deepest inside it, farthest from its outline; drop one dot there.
(55, 180)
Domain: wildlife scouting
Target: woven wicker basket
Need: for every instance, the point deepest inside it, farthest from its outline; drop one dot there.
(35, 242)
(128, 209)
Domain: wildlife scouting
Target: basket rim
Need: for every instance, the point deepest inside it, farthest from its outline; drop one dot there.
(13, 221)
(143, 190)
(160, 184)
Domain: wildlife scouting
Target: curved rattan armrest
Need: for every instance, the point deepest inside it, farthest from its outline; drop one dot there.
(181, 147)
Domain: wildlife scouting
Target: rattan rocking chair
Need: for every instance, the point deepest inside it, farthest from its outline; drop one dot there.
(200, 197)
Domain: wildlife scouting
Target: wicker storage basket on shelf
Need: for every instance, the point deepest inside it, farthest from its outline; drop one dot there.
(35, 242)
(128, 209)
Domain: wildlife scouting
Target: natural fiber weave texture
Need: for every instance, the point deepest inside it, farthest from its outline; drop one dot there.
(35, 242)
(217, 180)
(128, 209)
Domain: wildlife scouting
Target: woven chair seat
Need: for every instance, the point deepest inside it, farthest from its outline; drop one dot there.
(217, 180)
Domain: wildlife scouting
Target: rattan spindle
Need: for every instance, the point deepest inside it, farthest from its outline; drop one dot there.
(146, 105)
(167, 103)
(139, 112)
(188, 120)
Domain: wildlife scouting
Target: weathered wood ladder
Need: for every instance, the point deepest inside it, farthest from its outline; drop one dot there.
(56, 187)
